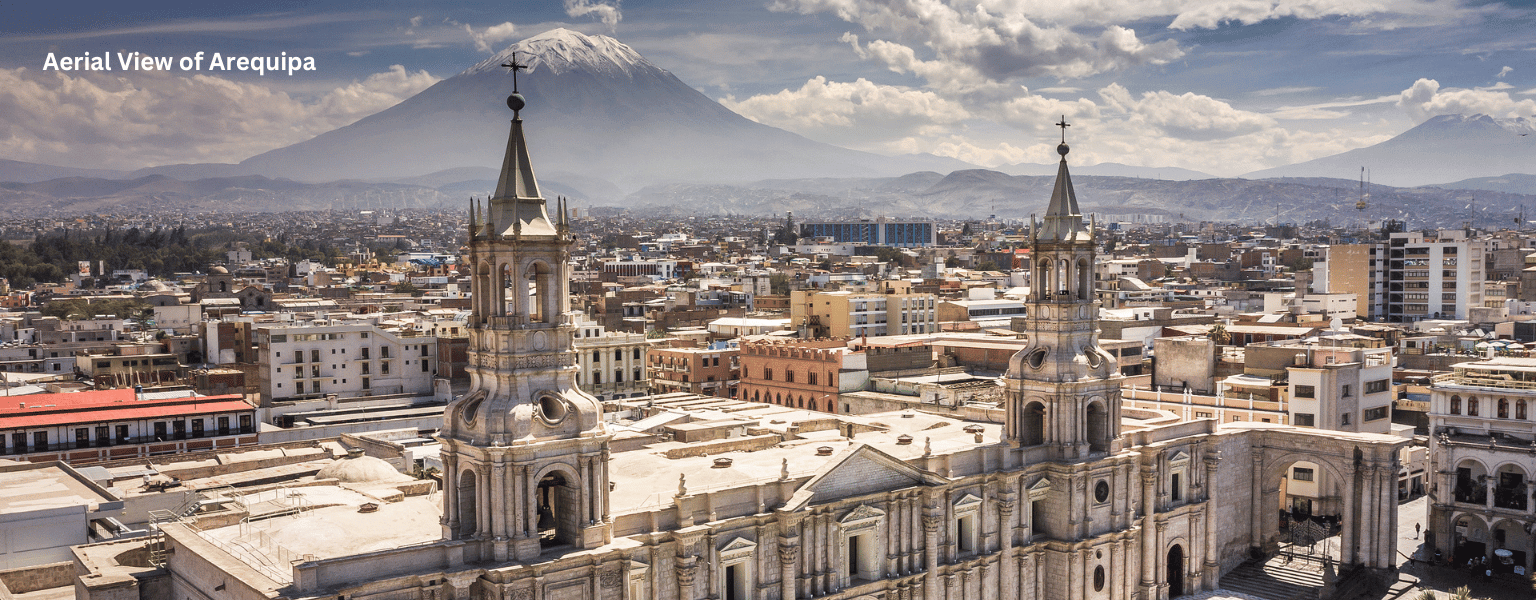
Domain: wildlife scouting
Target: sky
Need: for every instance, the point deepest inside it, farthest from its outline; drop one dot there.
(1220, 86)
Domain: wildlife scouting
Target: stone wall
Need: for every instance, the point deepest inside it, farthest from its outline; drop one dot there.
(40, 577)
(739, 444)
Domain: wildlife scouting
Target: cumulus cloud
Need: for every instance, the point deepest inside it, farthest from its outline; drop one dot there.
(1187, 116)
(860, 113)
(976, 40)
(156, 118)
(1504, 71)
(945, 41)
(608, 13)
(1425, 99)
(490, 35)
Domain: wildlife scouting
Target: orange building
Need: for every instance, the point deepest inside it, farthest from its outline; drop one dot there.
(797, 373)
(702, 371)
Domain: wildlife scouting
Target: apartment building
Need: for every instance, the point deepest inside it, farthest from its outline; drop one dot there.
(712, 371)
(612, 363)
(844, 314)
(349, 360)
(1435, 276)
(1481, 444)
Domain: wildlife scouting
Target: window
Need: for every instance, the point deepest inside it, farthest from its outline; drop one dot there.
(810, 377)
(384, 352)
(597, 378)
(1520, 409)
(82, 437)
(1346, 392)
(160, 431)
(636, 354)
(314, 356)
(383, 368)
(597, 356)
(1455, 405)
(1305, 391)
(768, 373)
(1372, 414)
(246, 424)
(1503, 408)
(223, 425)
(1301, 474)
(1344, 418)
(122, 434)
(425, 366)
(1304, 420)
(789, 376)
(365, 352)
(424, 350)
(365, 368)
(637, 374)
(618, 354)
(1376, 387)
(618, 376)
(1472, 407)
(1176, 487)
(197, 428)
(40, 440)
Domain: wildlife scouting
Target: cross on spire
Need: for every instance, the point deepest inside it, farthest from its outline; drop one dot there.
(516, 66)
(1063, 125)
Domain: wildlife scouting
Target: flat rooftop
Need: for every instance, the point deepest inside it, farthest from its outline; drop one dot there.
(28, 488)
(340, 530)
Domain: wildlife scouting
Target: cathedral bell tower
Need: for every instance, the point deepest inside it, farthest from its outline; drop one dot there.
(525, 453)
(1063, 390)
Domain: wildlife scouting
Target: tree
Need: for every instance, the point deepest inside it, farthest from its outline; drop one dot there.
(778, 284)
(1218, 333)
(952, 261)
(406, 287)
(788, 234)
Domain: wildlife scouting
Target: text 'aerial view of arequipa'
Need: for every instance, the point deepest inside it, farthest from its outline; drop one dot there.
(768, 300)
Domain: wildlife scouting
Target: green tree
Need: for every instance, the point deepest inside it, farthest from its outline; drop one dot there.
(1218, 333)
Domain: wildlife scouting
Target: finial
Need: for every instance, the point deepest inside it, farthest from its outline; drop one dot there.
(516, 102)
(1063, 149)
(928, 446)
(784, 470)
(682, 485)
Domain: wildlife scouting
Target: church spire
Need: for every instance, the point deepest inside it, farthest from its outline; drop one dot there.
(1063, 219)
(517, 208)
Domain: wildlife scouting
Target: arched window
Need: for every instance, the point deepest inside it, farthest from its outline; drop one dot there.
(1520, 409)
(1503, 408)
(1455, 405)
(813, 405)
(1033, 427)
(789, 376)
(1471, 407)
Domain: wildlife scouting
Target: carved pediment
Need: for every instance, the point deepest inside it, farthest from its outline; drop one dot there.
(1180, 457)
(859, 470)
(738, 548)
(967, 503)
(864, 512)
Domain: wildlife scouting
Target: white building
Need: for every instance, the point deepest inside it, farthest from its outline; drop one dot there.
(612, 363)
(358, 359)
(1437, 277)
(1482, 453)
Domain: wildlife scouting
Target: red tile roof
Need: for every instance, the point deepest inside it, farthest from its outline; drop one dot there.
(50, 410)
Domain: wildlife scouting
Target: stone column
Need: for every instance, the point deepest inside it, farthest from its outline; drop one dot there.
(1489, 483)
(499, 512)
(931, 524)
(686, 568)
(1159, 560)
(1148, 540)
(450, 518)
(1006, 576)
(1351, 521)
(1369, 479)
(787, 556)
(1212, 569)
(1257, 526)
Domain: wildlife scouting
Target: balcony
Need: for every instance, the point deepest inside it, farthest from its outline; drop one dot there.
(1510, 498)
(1472, 495)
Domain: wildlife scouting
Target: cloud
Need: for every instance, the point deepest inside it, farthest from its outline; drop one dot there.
(608, 13)
(974, 41)
(857, 114)
(490, 35)
(949, 41)
(159, 118)
(1279, 91)
(1425, 99)
(1187, 116)
(1504, 71)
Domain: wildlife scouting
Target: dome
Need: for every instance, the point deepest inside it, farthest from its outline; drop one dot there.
(357, 468)
(218, 271)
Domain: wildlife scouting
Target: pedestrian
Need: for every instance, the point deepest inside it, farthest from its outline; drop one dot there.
(1417, 527)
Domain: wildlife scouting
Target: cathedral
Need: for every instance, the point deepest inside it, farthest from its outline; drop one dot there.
(1071, 497)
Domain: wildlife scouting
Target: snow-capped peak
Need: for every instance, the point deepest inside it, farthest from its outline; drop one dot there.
(562, 50)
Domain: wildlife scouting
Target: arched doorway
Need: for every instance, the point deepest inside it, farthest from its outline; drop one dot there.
(559, 507)
(466, 496)
(1175, 571)
(1098, 427)
(1034, 424)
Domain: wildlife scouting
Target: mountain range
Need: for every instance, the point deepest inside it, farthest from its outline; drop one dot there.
(609, 128)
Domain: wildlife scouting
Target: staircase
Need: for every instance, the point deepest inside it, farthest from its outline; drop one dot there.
(1274, 579)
